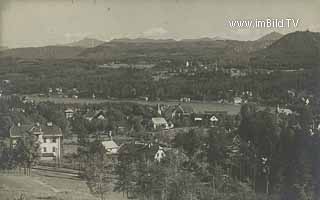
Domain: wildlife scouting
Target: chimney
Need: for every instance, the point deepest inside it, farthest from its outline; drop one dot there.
(38, 124)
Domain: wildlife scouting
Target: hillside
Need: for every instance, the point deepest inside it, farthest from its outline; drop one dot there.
(3, 48)
(273, 36)
(227, 51)
(300, 49)
(85, 43)
(47, 52)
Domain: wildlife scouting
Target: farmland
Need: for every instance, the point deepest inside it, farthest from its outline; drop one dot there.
(198, 106)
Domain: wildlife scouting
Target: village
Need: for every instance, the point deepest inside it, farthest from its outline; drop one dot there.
(159, 100)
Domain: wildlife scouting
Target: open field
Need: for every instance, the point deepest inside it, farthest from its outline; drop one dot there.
(198, 106)
(45, 186)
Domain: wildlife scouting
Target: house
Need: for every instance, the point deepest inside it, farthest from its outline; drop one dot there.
(159, 123)
(111, 147)
(27, 99)
(50, 90)
(213, 119)
(59, 90)
(99, 114)
(178, 111)
(285, 111)
(49, 137)
(160, 154)
(185, 99)
(69, 113)
(144, 98)
(237, 100)
(6, 81)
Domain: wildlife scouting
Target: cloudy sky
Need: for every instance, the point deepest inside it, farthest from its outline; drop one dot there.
(49, 22)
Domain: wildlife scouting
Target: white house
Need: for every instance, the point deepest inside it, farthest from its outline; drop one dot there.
(159, 123)
(237, 100)
(285, 111)
(213, 119)
(160, 154)
(49, 137)
(110, 146)
(69, 113)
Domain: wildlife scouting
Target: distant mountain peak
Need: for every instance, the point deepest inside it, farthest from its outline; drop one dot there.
(205, 39)
(300, 48)
(86, 43)
(141, 40)
(273, 36)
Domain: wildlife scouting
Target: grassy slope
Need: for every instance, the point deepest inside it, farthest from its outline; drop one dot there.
(43, 187)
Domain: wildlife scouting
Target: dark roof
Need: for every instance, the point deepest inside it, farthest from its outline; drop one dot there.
(94, 114)
(18, 131)
(139, 149)
(185, 108)
(51, 130)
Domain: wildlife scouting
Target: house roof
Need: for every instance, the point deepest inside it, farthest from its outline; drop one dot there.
(185, 108)
(214, 118)
(110, 144)
(94, 114)
(51, 130)
(69, 110)
(18, 131)
(158, 120)
(138, 149)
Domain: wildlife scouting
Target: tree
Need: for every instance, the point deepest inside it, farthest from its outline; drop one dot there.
(27, 152)
(189, 141)
(98, 170)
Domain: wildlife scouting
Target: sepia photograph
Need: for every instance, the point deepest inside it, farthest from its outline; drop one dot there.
(159, 100)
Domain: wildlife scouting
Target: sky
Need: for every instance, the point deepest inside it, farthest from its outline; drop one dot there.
(25, 23)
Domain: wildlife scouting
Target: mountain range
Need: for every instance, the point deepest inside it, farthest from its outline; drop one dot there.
(297, 48)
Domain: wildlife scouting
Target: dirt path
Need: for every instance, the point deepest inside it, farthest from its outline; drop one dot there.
(47, 186)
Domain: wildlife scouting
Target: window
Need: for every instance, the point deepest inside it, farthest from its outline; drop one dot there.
(53, 149)
(53, 140)
(44, 149)
(44, 140)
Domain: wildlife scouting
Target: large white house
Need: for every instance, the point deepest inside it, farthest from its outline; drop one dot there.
(49, 137)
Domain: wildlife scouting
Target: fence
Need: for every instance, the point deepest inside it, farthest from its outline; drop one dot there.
(15, 171)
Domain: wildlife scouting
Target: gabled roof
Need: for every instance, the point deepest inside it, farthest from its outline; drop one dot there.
(51, 130)
(19, 131)
(94, 114)
(139, 149)
(69, 110)
(214, 118)
(110, 144)
(158, 120)
(185, 108)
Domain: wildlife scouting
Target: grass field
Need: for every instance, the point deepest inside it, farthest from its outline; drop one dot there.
(47, 187)
(198, 106)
